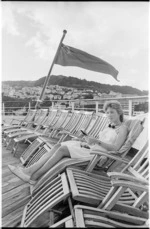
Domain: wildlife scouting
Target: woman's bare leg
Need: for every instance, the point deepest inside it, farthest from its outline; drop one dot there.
(33, 168)
(55, 158)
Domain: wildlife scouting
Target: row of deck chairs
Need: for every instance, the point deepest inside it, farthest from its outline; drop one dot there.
(58, 196)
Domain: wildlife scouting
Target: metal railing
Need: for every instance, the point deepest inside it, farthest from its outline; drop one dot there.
(128, 104)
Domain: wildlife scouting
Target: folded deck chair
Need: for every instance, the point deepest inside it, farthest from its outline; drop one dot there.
(90, 189)
(87, 217)
(32, 134)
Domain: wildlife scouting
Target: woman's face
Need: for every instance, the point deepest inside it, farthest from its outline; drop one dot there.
(112, 115)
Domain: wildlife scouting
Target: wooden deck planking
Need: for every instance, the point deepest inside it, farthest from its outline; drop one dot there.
(15, 192)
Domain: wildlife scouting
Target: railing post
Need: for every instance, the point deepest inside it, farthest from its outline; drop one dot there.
(72, 105)
(53, 105)
(130, 107)
(29, 106)
(96, 107)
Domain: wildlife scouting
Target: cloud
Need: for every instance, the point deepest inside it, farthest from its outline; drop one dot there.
(40, 45)
(8, 19)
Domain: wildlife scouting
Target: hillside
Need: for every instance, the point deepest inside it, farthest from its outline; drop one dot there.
(78, 83)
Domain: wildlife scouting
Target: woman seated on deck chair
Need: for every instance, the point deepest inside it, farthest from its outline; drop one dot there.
(110, 139)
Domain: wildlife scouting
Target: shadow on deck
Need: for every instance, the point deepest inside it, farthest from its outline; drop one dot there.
(15, 192)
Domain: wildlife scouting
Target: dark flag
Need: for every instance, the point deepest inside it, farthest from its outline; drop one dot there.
(69, 56)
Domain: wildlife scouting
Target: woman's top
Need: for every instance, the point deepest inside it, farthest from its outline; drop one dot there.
(108, 135)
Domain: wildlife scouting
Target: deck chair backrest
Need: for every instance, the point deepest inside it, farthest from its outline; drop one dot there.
(135, 127)
(83, 122)
(62, 118)
(41, 117)
(100, 123)
(73, 120)
(50, 118)
(138, 168)
(30, 116)
(139, 163)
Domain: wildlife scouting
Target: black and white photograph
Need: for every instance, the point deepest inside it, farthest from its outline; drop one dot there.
(74, 114)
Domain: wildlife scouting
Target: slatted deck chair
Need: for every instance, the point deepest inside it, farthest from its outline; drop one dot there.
(31, 155)
(134, 134)
(56, 192)
(86, 118)
(49, 197)
(30, 127)
(135, 128)
(86, 216)
(114, 193)
(69, 125)
(40, 115)
(72, 122)
(33, 134)
(29, 118)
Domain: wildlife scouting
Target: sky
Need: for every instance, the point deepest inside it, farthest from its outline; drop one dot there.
(116, 32)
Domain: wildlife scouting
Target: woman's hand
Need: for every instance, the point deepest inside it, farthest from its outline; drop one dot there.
(91, 140)
(84, 145)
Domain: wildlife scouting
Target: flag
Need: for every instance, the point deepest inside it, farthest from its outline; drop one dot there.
(69, 56)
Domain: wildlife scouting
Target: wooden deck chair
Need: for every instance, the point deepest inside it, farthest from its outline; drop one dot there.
(39, 117)
(98, 123)
(59, 124)
(70, 124)
(113, 193)
(86, 216)
(26, 157)
(28, 118)
(40, 130)
(31, 126)
(135, 127)
(73, 121)
(50, 196)
(86, 118)
(56, 192)
(92, 165)
(32, 133)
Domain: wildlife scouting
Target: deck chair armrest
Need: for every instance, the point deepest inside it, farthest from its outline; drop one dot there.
(130, 184)
(15, 120)
(109, 155)
(64, 132)
(121, 176)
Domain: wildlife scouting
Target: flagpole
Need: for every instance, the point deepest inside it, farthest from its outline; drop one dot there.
(48, 76)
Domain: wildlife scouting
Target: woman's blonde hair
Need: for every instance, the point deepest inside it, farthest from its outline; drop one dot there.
(115, 105)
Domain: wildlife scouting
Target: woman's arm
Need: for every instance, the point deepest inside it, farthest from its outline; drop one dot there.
(112, 147)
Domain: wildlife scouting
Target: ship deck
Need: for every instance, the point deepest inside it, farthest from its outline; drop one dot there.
(15, 193)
